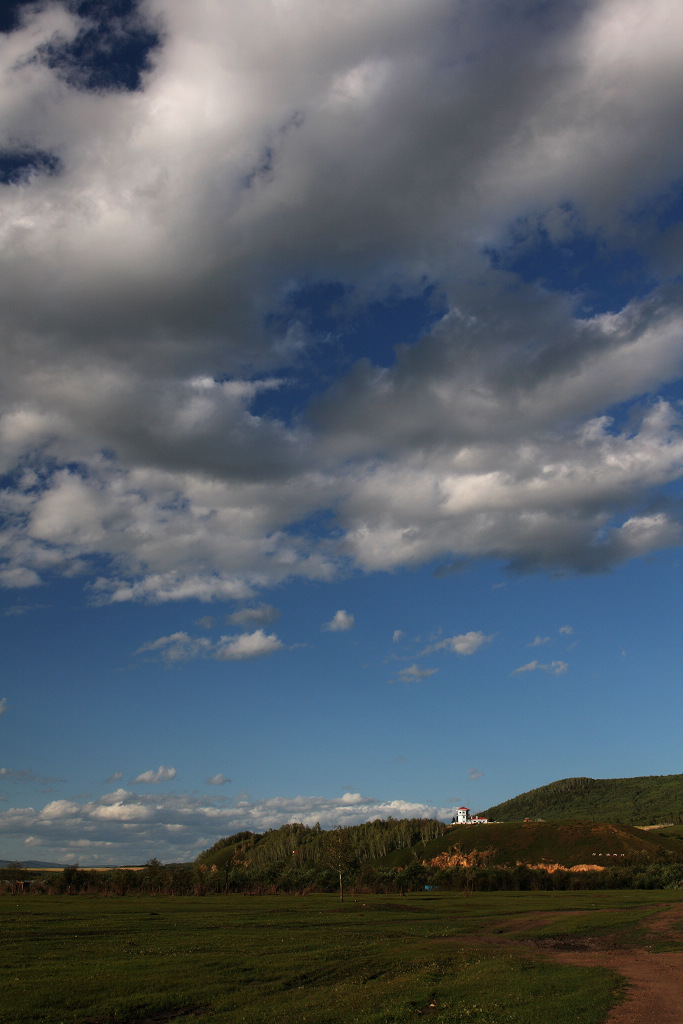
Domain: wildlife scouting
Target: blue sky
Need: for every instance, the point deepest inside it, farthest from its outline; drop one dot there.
(340, 412)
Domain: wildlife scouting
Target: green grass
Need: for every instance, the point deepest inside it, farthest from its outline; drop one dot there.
(626, 928)
(670, 832)
(80, 960)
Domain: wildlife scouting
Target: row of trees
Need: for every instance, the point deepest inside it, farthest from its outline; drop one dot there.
(186, 880)
(153, 879)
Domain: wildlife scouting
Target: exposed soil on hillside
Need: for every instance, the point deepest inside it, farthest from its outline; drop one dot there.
(455, 858)
(655, 980)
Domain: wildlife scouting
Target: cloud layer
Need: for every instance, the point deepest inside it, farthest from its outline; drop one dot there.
(124, 827)
(177, 417)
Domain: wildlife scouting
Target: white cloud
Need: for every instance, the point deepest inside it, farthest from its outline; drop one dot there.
(340, 621)
(247, 645)
(556, 667)
(463, 643)
(474, 774)
(538, 641)
(400, 148)
(352, 799)
(114, 777)
(263, 614)
(162, 774)
(413, 673)
(4, 706)
(566, 630)
(120, 811)
(179, 647)
(398, 635)
(19, 576)
(218, 780)
(60, 809)
(206, 622)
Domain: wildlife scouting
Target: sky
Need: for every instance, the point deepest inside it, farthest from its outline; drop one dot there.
(340, 412)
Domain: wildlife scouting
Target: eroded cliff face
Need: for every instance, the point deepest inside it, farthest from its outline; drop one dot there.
(550, 868)
(455, 858)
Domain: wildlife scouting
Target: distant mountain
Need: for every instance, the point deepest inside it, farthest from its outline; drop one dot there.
(35, 864)
(646, 800)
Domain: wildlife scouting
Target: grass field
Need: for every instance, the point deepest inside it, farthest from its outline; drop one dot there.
(80, 960)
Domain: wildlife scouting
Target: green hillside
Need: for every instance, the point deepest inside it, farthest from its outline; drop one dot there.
(535, 842)
(648, 800)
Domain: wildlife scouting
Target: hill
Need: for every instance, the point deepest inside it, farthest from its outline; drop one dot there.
(303, 846)
(34, 864)
(647, 800)
(581, 821)
(296, 857)
(567, 843)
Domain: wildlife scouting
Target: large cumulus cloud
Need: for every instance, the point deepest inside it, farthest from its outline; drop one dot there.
(151, 345)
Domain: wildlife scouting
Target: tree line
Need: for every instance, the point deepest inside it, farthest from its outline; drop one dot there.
(156, 879)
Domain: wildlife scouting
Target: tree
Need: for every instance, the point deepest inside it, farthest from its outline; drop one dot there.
(154, 875)
(71, 878)
(338, 854)
(13, 872)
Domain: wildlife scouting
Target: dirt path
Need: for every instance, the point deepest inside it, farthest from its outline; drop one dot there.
(655, 980)
(655, 993)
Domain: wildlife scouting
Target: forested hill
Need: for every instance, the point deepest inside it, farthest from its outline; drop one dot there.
(648, 800)
(301, 845)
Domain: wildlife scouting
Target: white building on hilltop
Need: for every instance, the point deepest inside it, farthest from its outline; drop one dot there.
(463, 817)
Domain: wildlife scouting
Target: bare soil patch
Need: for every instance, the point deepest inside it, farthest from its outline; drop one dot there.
(654, 980)
(655, 983)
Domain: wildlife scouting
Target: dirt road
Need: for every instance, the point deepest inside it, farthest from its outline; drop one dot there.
(655, 980)
(655, 993)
